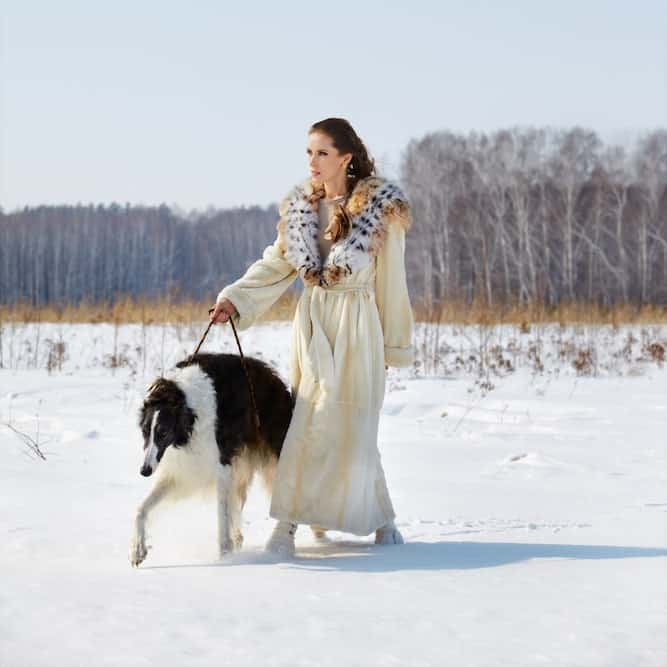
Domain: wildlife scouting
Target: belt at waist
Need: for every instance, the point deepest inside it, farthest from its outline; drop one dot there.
(341, 288)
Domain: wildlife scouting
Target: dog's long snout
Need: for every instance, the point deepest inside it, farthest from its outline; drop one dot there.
(150, 461)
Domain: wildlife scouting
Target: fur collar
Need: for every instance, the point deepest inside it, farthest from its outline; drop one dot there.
(372, 201)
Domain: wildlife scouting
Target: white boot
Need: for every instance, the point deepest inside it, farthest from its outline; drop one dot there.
(281, 541)
(388, 534)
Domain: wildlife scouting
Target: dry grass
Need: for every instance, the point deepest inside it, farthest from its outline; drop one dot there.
(165, 310)
(131, 311)
(522, 315)
(460, 339)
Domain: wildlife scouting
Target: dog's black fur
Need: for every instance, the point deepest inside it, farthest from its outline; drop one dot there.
(236, 422)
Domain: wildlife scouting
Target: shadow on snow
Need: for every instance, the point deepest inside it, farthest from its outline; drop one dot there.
(366, 557)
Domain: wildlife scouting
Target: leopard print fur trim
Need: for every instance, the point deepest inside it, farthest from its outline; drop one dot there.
(374, 201)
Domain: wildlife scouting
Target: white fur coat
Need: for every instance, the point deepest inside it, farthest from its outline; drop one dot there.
(372, 201)
(352, 318)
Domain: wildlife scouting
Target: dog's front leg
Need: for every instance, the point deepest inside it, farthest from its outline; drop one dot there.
(224, 488)
(138, 544)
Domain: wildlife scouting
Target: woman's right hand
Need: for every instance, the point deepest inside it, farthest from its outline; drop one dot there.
(222, 311)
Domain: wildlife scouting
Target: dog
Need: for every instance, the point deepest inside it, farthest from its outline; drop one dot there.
(199, 433)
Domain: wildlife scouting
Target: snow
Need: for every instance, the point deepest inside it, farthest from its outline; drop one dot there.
(534, 517)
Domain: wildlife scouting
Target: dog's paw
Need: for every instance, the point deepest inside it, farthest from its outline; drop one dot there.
(225, 548)
(238, 541)
(138, 553)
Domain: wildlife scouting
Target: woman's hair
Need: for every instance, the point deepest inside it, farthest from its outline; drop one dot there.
(345, 140)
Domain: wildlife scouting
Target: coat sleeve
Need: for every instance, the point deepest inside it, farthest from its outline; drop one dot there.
(392, 299)
(260, 286)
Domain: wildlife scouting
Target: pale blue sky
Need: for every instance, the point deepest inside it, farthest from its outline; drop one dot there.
(208, 103)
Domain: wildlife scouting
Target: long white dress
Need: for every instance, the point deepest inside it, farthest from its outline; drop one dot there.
(330, 471)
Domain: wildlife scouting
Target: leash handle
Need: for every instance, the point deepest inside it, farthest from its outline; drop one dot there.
(243, 363)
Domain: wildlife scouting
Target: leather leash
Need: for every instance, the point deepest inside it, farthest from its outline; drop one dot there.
(243, 362)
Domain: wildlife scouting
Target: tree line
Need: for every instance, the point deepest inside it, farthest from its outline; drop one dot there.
(537, 216)
(525, 214)
(68, 254)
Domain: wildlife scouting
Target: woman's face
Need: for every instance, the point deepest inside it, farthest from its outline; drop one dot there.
(325, 162)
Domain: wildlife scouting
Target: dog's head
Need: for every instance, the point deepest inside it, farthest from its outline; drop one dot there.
(165, 421)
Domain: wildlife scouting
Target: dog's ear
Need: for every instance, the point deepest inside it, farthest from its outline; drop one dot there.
(141, 414)
(157, 391)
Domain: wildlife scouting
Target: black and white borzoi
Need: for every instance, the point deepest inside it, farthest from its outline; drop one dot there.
(199, 431)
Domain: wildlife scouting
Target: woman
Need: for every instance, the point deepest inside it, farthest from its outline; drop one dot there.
(343, 232)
